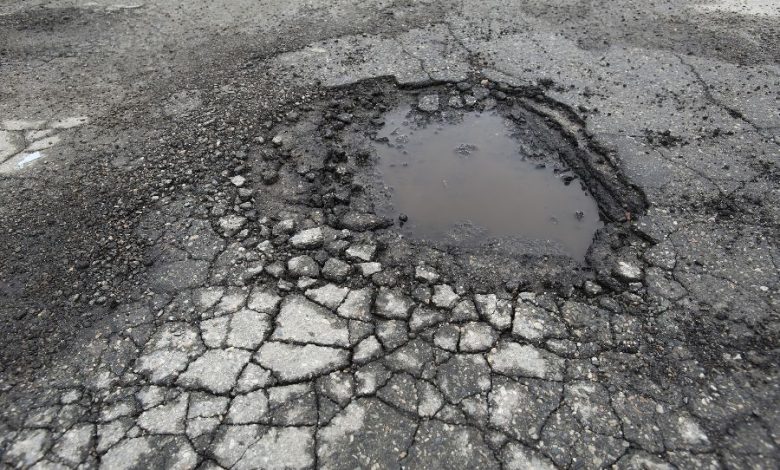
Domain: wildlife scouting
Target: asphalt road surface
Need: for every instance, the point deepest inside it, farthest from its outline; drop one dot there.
(200, 268)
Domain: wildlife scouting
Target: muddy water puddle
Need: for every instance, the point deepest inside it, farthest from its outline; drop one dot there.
(470, 181)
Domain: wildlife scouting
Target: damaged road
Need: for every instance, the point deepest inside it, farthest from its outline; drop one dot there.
(202, 265)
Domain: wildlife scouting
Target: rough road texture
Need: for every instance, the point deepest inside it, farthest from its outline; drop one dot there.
(191, 275)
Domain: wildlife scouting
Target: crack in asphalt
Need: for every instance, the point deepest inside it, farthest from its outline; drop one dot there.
(223, 352)
(706, 89)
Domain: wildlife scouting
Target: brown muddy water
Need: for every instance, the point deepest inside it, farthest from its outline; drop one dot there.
(468, 179)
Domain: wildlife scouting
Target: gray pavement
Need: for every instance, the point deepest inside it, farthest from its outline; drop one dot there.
(192, 274)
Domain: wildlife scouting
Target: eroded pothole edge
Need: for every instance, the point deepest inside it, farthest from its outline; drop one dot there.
(320, 159)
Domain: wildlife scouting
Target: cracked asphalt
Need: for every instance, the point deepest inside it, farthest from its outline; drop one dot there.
(194, 272)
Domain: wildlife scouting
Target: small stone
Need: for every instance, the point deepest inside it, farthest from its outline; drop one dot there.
(284, 227)
(238, 181)
(361, 222)
(369, 269)
(303, 266)
(336, 270)
(592, 289)
(277, 140)
(455, 102)
(628, 271)
(231, 224)
(426, 274)
(361, 252)
(310, 238)
(275, 269)
(305, 282)
(527, 296)
(428, 103)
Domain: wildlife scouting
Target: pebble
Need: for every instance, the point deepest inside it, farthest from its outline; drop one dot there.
(336, 270)
(428, 103)
(310, 238)
(238, 181)
(231, 224)
(303, 266)
(426, 274)
(592, 289)
(368, 269)
(361, 252)
(628, 271)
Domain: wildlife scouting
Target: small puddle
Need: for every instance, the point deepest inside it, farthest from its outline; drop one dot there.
(469, 181)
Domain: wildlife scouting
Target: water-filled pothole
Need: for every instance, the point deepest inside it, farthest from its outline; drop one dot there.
(529, 228)
(468, 177)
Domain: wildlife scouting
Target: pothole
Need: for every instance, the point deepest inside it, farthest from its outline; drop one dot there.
(467, 177)
(490, 183)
